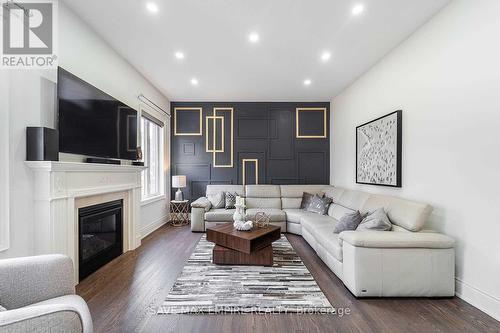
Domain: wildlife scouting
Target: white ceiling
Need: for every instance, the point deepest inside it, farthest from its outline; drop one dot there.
(213, 34)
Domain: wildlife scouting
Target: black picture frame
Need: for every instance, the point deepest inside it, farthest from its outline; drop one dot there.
(399, 141)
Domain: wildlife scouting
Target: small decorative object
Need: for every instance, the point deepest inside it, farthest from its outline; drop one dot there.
(139, 153)
(239, 214)
(178, 182)
(240, 201)
(243, 226)
(262, 220)
(378, 151)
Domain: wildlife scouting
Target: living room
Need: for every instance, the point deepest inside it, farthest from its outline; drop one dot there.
(284, 166)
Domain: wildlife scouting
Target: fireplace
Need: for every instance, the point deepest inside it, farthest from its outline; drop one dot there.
(100, 235)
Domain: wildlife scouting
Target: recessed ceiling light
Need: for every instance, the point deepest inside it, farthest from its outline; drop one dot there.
(194, 81)
(179, 55)
(307, 82)
(152, 7)
(358, 9)
(325, 56)
(253, 37)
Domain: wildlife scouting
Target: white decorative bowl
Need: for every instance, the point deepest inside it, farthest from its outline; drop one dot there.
(243, 226)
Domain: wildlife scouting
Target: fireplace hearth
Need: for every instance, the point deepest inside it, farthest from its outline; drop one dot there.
(100, 235)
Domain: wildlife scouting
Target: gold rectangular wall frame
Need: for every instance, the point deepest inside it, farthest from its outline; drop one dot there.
(214, 156)
(200, 110)
(214, 120)
(254, 160)
(297, 124)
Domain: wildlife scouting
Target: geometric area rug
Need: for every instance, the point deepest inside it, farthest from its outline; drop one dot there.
(285, 287)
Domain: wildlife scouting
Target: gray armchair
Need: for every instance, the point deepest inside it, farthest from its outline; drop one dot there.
(38, 295)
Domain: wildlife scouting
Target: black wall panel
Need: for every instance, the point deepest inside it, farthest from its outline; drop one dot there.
(263, 138)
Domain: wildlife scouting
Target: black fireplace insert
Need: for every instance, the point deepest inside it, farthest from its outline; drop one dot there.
(100, 235)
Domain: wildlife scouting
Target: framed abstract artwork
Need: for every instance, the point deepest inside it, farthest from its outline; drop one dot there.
(378, 151)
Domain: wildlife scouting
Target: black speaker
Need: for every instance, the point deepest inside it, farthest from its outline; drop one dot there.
(42, 144)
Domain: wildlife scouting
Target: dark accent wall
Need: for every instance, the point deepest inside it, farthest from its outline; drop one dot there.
(264, 139)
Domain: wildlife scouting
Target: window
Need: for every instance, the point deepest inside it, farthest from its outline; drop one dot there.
(152, 147)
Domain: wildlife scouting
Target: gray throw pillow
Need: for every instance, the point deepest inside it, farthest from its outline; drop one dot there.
(217, 200)
(349, 221)
(376, 220)
(307, 198)
(319, 205)
(202, 203)
(230, 200)
(2, 308)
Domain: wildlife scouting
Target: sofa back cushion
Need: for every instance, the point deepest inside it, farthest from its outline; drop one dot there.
(352, 199)
(408, 214)
(337, 211)
(334, 192)
(291, 195)
(263, 196)
(214, 189)
(263, 191)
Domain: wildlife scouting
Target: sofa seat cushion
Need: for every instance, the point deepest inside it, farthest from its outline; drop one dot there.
(329, 241)
(275, 215)
(295, 215)
(219, 215)
(311, 222)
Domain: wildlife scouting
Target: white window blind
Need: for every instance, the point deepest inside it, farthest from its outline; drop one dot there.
(152, 147)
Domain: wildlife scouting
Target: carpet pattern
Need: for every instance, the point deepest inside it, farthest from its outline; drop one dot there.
(204, 287)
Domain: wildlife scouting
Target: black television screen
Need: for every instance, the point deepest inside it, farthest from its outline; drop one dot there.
(93, 123)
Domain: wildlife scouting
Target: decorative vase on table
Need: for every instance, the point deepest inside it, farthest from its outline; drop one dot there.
(239, 216)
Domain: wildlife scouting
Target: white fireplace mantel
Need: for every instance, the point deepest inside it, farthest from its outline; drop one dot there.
(61, 188)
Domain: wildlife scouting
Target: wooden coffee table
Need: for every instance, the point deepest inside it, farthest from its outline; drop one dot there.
(235, 247)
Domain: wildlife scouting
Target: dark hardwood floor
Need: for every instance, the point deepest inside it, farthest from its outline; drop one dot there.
(123, 297)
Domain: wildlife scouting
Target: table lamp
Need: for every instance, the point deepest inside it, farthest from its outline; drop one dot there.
(178, 182)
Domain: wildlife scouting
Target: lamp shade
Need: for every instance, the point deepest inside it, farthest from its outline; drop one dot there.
(178, 181)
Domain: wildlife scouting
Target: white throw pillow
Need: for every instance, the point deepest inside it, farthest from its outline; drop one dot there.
(217, 200)
(2, 308)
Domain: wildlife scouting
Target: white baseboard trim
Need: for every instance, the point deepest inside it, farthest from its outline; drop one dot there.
(146, 230)
(478, 298)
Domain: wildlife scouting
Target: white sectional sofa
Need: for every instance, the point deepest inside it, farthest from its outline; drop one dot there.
(407, 261)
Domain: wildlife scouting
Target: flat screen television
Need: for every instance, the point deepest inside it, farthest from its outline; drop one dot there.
(93, 123)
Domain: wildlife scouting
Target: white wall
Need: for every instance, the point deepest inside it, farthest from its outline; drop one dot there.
(32, 103)
(86, 55)
(446, 79)
(4, 160)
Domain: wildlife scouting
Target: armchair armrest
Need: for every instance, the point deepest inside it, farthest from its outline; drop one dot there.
(391, 239)
(29, 280)
(202, 203)
(43, 318)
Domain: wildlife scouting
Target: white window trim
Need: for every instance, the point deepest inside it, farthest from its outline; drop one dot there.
(4, 168)
(162, 196)
(151, 200)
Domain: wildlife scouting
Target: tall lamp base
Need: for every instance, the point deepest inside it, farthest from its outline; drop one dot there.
(178, 195)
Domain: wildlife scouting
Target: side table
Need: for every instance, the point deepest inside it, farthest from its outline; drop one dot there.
(179, 213)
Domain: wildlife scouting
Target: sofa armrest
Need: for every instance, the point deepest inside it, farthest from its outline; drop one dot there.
(202, 203)
(390, 239)
(28, 280)
(44, 318)
(197, 219)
